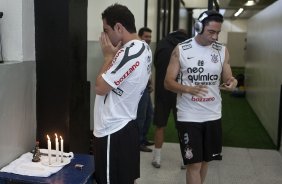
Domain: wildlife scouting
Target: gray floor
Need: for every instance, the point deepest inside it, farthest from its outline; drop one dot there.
(239, 166)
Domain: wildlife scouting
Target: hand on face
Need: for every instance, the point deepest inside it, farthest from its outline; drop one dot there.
(107, 47)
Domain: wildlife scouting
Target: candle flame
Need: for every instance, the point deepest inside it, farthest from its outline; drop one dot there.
(56, 135)
(61, 138)
(48, 137)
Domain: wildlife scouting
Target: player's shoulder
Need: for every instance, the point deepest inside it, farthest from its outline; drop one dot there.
(186, 41)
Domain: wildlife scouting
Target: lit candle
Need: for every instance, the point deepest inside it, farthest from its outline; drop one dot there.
(62, 149)
(57, 147)
(49, 149)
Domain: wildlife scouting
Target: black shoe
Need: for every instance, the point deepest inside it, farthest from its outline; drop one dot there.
(148, 143)
(145, 148)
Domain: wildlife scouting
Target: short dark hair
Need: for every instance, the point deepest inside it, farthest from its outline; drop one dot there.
(212, 15)
(142, 30)
(118, 13)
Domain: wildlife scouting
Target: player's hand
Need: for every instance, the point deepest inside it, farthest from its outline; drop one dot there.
(198, 91)
(230, 85)
(108, 49)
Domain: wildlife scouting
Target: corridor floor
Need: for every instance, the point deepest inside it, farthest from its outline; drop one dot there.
(239, 166)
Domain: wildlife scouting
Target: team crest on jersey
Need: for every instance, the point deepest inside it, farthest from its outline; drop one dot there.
(214, 58)
(118, 91)
(188, 153)
(186, 46)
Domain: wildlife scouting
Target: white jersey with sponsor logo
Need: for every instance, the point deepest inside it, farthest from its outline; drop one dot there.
(200, 65)
(128, 75)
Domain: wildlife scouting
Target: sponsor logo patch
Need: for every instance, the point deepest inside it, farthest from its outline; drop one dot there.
(127, 73)
(186, 46)
(201, 62)
(216, 46)
(196, 75)
(200, 99)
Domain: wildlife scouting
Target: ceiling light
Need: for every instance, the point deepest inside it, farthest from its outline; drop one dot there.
(238, 12)
(250, 3)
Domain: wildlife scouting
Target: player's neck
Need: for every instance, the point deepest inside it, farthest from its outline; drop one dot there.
(201, 40)
(130, 36)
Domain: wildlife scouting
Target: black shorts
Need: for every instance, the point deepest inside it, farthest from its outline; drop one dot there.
(200, 141)
(117, 156)
(163, 107)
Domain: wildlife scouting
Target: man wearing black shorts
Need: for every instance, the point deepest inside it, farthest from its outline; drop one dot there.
(165, 101)
(201, 64)
(119, 86)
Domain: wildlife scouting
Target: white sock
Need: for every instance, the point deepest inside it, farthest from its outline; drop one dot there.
(157, 155)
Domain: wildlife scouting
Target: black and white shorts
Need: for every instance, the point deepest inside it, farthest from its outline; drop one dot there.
(117, 156)
(200, 141)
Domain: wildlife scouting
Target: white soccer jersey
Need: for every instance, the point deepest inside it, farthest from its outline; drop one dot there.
(200, 65)
(128, 75)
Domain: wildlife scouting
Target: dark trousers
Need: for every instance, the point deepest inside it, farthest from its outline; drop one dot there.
(144, 115)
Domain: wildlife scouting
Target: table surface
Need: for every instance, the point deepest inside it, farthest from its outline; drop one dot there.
(67, 175)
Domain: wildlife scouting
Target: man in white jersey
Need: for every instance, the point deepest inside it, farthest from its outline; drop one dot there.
(119, 86)
(201, 63)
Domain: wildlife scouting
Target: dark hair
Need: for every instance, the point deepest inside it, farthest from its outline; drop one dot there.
(118, 13)
(142, 30)
(212, 15)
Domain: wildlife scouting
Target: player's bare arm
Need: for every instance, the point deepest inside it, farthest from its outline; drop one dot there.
(229, 82)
